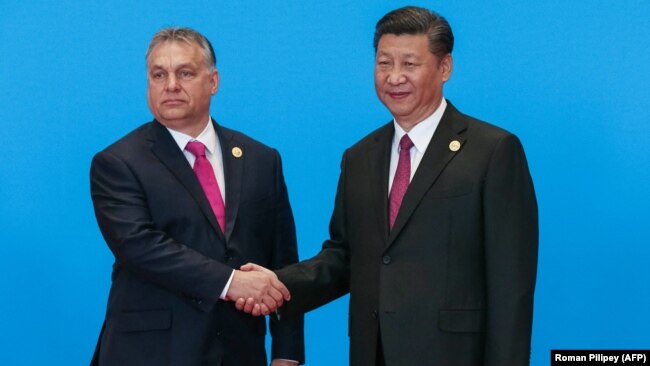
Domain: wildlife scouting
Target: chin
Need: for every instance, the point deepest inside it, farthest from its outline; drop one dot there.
(173, 116)
(399, 112)
(398, 108)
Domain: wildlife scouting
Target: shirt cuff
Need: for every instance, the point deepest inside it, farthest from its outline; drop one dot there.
(284, 359)
(224, 292)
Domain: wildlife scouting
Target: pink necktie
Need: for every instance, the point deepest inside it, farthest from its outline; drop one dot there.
(205, 173)
(401, 179)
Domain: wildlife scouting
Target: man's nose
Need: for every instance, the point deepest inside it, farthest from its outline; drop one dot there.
(396, 76)
(172, 83)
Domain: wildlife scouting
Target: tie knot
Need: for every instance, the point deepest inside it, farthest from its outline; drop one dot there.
(196, 148)
(405, 143)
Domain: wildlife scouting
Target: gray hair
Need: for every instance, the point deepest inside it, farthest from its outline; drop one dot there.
(187, 35)
(415, 20)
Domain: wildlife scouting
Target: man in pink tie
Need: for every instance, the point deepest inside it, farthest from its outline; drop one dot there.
(182, 203)
(434, 229)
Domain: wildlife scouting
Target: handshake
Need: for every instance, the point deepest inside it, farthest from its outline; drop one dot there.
(257, 290)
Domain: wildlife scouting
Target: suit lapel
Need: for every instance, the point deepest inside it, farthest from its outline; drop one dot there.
(233, 172)
(378, 166)
(434, 161)
(166, 150)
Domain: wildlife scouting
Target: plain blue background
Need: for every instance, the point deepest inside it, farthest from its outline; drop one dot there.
(570, 78)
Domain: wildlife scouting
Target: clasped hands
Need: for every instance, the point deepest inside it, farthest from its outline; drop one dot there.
(257, 290)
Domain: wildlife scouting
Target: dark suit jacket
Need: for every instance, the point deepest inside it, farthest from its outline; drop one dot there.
(172, 260)
(452, 284)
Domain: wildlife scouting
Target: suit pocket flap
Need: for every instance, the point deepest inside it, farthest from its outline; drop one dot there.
(462, 320)
(138, 321)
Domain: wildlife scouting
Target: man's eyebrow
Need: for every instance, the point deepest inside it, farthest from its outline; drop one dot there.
(178, 66)
(404, 55)
(409, 55)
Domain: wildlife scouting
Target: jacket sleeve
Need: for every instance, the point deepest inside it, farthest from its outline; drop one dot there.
(511, 242)
(126, 223)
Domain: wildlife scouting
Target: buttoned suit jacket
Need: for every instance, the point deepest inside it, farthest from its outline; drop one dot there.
(452, 283)
(172, 260)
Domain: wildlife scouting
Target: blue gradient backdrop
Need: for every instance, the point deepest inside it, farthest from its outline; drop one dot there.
(569, 77)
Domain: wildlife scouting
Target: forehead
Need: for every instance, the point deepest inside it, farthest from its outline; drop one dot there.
(172, 53)
(416, 44)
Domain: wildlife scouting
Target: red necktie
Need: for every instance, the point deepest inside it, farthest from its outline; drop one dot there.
(205, 173)
(401, 179)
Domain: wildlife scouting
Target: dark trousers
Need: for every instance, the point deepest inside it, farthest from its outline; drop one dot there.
(379, 360)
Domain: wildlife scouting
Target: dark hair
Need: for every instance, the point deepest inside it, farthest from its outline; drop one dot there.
(415, 20)
(186, 35)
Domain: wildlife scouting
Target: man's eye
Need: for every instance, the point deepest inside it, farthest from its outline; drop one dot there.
(186, 74)
(158, 75)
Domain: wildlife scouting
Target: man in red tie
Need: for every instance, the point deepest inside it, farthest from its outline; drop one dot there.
(434, 230)
(182, 202)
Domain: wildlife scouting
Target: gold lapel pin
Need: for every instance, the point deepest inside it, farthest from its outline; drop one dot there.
(454, 146)
(237, 152)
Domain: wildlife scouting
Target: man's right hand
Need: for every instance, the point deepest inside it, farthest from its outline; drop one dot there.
(259, 287)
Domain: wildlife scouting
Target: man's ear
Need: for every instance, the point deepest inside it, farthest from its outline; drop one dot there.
(447, 65)
(214, 79)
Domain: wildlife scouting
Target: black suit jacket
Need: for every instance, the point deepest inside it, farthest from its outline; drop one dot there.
(452, 284)
(172, 260)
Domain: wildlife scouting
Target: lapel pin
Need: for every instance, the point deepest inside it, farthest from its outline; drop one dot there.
(237, 152)
(454, 146)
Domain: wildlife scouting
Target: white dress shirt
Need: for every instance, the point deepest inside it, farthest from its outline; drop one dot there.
(421, 135)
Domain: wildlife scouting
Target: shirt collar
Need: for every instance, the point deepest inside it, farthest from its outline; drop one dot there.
(422, 132)
(207, 137)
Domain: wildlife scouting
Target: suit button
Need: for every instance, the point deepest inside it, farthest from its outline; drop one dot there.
(375, 314)
(386, 259)
(219, 334)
